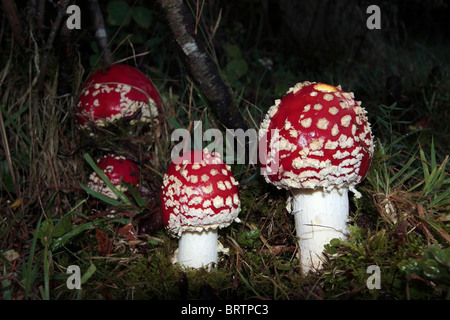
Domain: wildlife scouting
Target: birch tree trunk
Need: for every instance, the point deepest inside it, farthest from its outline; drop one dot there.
(200, 65)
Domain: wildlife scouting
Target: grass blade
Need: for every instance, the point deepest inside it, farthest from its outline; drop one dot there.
(436, 227)
(426, 173)
(433, 155)
(101, 196)
(139, 201)
(400, 172)
(248, 284)
(108, 182)
(58, 242)
(443, 199)
(89, 272)
(10, 120)
(29, 274)
(46, 293)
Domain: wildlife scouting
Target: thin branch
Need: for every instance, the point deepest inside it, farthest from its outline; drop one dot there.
(201, 67)
(63, 4)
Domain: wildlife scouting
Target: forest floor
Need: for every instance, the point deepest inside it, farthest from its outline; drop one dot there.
(50, 222)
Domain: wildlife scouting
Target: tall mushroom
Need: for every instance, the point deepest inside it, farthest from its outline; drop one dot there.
(199, 195)
(117, 169)
(319, 146)
(119, 92)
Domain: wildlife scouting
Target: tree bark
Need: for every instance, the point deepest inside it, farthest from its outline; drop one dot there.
(100, 32)
(201, 67)
(12, 15)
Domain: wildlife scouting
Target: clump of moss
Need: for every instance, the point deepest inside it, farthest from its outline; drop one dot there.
(153, 276)
(347, 273)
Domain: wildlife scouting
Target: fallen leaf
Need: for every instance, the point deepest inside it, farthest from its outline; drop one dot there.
(16, 203)
(11, 255)
(104, 244)
(128, 232)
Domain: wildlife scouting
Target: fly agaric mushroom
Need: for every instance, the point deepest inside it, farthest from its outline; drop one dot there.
(199, 195)
(320, 140)
(119, 92)
(117, 169)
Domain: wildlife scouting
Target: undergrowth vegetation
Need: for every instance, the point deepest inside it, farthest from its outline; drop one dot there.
(50, 220)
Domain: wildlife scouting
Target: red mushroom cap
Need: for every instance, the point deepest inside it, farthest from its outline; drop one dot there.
(320, 137)
(199, 193)
(118, 92)
(117, 169)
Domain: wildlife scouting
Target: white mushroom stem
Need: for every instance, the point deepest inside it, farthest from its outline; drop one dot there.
(198, 249)
(319, 217)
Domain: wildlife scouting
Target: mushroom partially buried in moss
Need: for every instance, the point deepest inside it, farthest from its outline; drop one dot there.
(199, 195)
(119, 92)
(319, 145)
(118, 169)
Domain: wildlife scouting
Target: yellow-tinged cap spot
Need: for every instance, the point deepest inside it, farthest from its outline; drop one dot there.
(322, 87)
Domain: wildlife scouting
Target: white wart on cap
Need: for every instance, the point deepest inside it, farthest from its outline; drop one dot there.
(319, 145)
(199, 193)
(117, 169)
(119, 92)
(320, 137)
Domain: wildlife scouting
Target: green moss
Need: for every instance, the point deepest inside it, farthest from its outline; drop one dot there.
(347, 270)
(155, 277)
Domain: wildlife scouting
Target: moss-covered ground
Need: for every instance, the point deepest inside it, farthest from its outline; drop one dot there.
(49, 221)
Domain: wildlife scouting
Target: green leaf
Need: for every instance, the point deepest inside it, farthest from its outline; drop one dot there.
(44, 232)
(237, 68)
(335, 242)
(233, 51)
(430, 268)
(142, 16)
(63, 226)
(282, 265)
(89, 272)
(118, 13)
(409, 267)
(248, 238)
(58, 242)
(442, 256)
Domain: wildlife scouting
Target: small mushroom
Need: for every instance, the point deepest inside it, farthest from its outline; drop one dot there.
(199, 195)
(117, 169)
(119, 92)
(321, 142)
